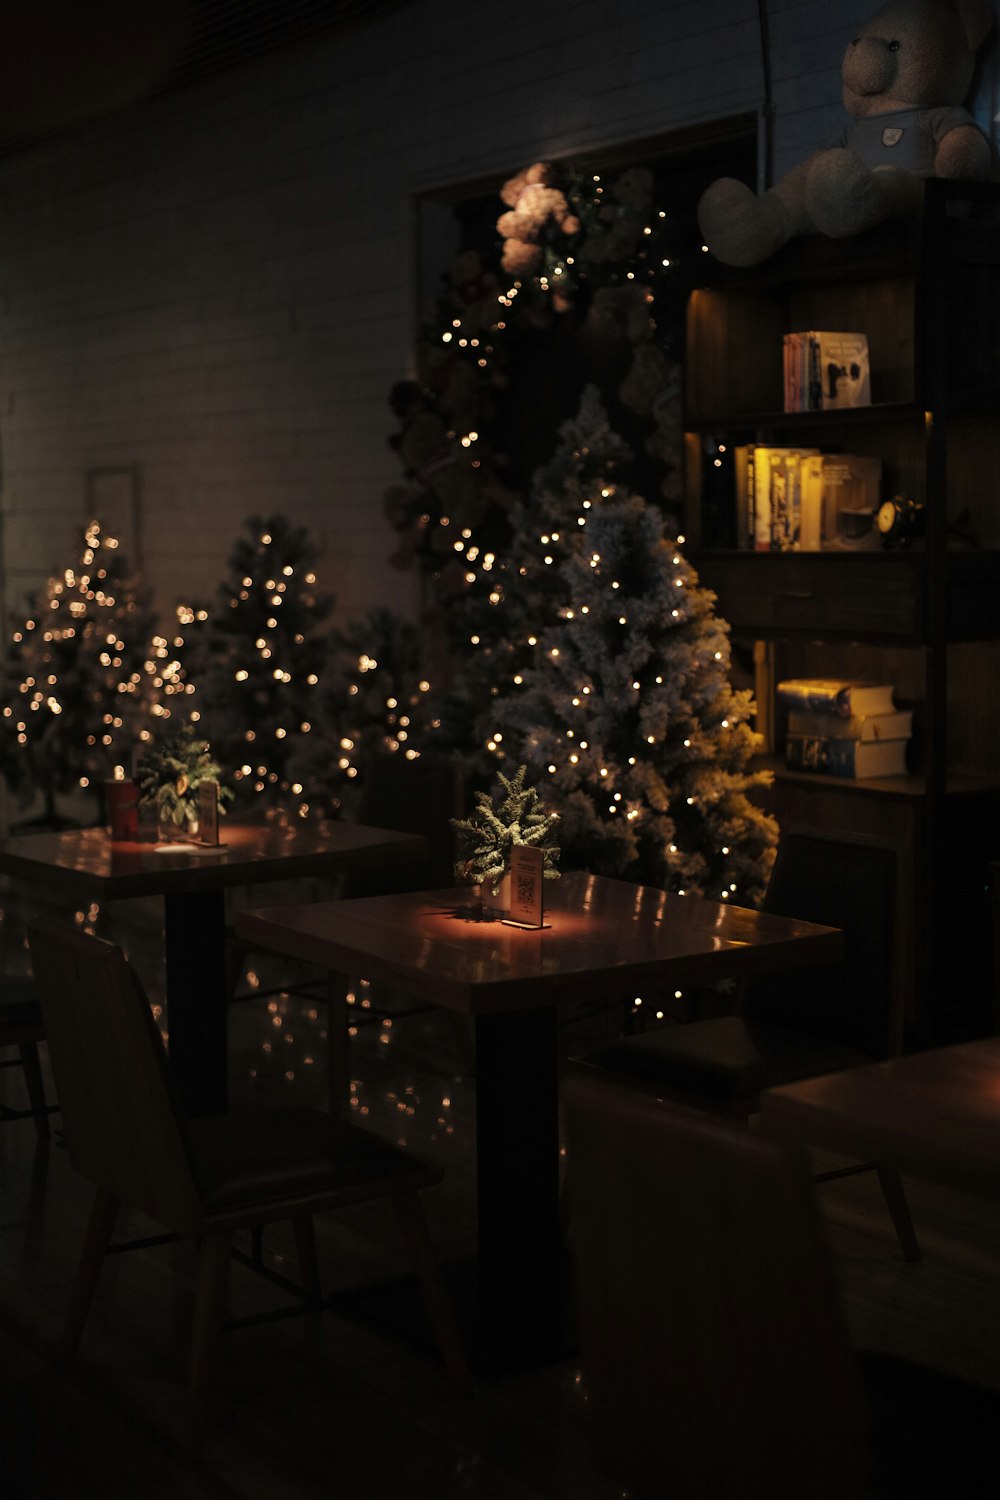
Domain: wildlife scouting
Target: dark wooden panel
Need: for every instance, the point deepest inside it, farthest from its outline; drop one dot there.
(871, 594)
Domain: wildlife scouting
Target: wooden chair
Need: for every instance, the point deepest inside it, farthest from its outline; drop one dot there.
(202, 1179)
(21, 1026)
(715, 1352)
(798, 1024)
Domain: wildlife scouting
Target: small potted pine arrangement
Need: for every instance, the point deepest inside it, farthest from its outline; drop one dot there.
(170, 775)
(487, 837)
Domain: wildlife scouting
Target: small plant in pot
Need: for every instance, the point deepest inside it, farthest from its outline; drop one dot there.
(169, 776)
(491, 832)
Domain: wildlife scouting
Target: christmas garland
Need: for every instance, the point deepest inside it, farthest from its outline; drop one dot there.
(574, 243)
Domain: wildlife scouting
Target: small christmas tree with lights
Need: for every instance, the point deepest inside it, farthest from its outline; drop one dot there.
(371, 700)
(81, 678)
(258, 656)
(627, 711)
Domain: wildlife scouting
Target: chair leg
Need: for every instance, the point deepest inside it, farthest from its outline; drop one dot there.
(213, 1272)
(899, 1211)
(100, 1226)
(410, 1216)
(338, 1062)
(305, 1244)
(36, 1088)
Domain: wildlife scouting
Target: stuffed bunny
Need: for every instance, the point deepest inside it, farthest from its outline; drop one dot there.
(904, 80)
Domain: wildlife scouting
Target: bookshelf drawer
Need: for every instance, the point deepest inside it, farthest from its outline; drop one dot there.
(872, 595)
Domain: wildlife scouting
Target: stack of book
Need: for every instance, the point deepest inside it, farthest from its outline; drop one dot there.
(799, 499)
(844, 728)
(826, 371)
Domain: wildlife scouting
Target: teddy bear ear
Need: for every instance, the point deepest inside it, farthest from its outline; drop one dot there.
(977, 18)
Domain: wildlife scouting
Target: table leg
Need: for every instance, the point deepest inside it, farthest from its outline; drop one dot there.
(338, 1071)
(195, 949)
(520, 1261)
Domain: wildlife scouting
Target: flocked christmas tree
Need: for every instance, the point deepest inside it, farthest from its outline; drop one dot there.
(494, 626)
(82, 676)
(626, 716)
(257, 659)
(372, 699)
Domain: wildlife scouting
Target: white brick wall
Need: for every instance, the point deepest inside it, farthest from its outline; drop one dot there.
(218, 285)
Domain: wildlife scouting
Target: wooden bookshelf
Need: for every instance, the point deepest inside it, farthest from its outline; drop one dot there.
(925, 291)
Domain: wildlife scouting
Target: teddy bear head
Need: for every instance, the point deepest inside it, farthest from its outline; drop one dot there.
(914, 54)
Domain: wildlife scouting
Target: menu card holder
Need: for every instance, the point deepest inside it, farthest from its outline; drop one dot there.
(525, 887)
(208, 812)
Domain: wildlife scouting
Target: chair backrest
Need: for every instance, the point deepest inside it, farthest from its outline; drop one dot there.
(412, 796)
(124, 1130)
(845, 884)
(715, 1353)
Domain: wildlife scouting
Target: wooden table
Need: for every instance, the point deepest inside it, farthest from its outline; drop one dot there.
(607, 940)
(932, 1115)
(85, 865)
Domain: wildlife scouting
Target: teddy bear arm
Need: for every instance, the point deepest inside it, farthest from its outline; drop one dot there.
(963, 154)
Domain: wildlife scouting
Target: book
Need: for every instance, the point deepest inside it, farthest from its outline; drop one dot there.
(811, 511)
(846, 757)
(742, 466)
(852, 489)
(896, 726)
(826, 695)
(799, 499)
(775, 499)
(826, 371)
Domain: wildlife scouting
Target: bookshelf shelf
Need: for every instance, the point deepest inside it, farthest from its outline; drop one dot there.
(911, 788)
(827, 422)
(925, 291)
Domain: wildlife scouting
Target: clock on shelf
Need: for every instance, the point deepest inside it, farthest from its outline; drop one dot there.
(900, 521)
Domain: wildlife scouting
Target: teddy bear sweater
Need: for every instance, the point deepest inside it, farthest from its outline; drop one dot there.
(904, 138)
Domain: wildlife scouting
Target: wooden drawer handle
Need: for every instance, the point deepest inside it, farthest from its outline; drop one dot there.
(796, 594)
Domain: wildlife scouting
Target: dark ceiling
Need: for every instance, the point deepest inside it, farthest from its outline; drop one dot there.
(67, 61)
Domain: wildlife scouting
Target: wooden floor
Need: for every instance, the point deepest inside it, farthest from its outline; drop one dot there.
(324, 1406)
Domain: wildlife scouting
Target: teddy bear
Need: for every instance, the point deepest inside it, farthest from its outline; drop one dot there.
(905, 77)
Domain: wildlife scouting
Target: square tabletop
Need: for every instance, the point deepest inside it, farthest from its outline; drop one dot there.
(933, 1115)
(87, 863)
(599, 932)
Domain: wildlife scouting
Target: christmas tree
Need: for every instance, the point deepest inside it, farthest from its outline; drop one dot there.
(258, 656)
(625, 714)
(372, 699)
(509, 599)
(82, 676)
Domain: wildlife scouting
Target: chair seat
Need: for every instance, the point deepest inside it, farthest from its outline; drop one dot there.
(244, 1160)
(726, 1058)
